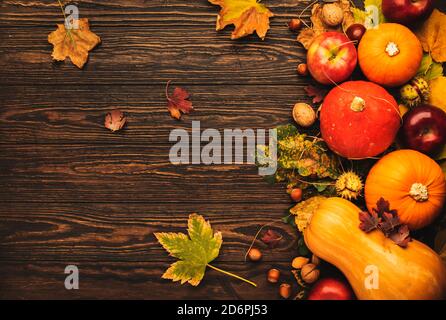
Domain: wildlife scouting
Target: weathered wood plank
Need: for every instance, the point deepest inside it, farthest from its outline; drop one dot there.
(116, 280)
(75, 114)
(124, 232)
(147, 42)
(116, 173)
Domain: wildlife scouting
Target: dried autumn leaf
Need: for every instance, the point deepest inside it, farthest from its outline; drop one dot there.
(432, 35)
(317, 93)
(389, 222)
(304, 210)
(73, 43)
(307, 35)
(271, 238)
(178, 102)
(115, 120)
(401, 236)
(246, 15)
(438, 92)
(369, 221)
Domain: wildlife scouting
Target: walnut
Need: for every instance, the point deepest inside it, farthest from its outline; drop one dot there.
(332, 14)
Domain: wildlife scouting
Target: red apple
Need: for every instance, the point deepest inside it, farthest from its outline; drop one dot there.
(331, 289)
(331, 58)
(407, 11)
(424, 128)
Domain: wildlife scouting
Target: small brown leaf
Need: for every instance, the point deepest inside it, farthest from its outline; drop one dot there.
(115, 120)
(317, 93)
(178, 102)
(271, 238)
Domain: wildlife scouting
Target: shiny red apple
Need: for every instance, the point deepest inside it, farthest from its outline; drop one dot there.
(331, 289)
(407, 12)
(424, 129)
(331, 58)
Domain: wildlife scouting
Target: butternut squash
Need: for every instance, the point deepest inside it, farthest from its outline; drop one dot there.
(415, 272)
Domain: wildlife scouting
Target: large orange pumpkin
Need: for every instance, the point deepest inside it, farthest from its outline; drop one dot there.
(390, 55)
(413, 183)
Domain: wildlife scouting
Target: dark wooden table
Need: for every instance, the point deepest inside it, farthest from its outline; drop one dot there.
(71, 192)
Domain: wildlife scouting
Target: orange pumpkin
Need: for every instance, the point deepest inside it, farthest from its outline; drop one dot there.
(413, 183)
(390, 55)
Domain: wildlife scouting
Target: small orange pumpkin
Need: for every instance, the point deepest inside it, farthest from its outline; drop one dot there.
(413, 183)
(390, 55)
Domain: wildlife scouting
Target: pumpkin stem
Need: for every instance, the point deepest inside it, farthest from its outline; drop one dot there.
(419, 192)
(358, 104)
(392, 49)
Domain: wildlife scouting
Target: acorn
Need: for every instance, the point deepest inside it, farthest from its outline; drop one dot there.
(415, 92)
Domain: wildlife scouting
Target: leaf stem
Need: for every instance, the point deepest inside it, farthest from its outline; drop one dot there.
(232, 275)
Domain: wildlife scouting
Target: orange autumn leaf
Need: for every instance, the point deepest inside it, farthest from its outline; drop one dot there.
(73, 43)
(432, 35)
(246, 15)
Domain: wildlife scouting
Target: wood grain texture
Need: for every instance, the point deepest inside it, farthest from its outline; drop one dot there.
(147, 42)
(72, 192)
(75, 114)
(136, 280)
(124, 232)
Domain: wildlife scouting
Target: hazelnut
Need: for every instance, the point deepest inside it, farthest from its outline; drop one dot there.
(332, 14)
(285, 290)
(296, 194)
(299, 262)
(302, 69)
(254, 254)
(315, 260)
(273, 275)
(295, 24)
(309, 273)
(304, 115)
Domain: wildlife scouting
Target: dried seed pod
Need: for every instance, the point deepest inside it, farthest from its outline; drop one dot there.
(115, 120)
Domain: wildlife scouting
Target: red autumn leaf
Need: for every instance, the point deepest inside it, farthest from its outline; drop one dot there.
(369, 221)
(178, 102)
(383, 206)
(401, 236)
(271, 238)
(115, 120)
(389, 222)
(317, 93)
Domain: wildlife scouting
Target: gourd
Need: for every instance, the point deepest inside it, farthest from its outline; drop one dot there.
(414, 272)
(359, 119)
(413, 183)
(390, 54)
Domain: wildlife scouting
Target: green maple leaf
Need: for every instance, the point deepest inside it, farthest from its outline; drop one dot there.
(194, 251)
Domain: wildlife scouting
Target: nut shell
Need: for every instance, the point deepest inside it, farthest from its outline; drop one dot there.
(304, 115)
(332, 14)
(310, 273)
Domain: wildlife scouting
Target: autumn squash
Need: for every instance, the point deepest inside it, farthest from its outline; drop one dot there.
(359, 119)
(390, 55)
(411, 182)
(375, 266)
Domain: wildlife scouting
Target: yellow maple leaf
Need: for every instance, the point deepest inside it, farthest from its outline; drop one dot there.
(438, 92)
(246, 15)
(432, 35)
(73, 43)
